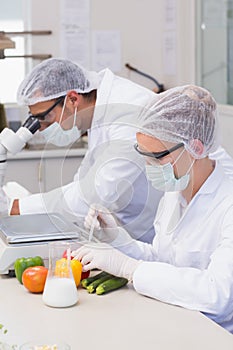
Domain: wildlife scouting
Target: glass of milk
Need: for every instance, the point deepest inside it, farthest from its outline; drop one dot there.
(60, 289)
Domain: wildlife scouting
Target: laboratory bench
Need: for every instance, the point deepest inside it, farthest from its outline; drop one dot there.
(44, 170)
(121, 319)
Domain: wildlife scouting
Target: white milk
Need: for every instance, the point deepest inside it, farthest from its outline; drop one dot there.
(60, 292)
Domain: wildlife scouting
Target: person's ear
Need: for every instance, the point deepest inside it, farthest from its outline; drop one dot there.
(73, 98)
(197, 146)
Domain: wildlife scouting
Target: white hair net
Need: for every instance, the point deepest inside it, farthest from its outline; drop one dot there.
(54, 78)
(183, 114)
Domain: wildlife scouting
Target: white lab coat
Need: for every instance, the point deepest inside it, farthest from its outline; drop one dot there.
(190, 262)
(225, 160)
(112, 173)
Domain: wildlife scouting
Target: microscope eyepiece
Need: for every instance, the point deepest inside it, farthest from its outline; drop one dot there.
(32, 124)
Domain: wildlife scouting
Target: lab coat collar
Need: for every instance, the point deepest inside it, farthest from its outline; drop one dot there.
(103, 94)
(210, 185)
(104, 90)
(213, 181)
(176, 199)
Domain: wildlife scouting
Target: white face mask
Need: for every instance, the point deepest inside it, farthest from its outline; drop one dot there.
(60, 137)
(163, 178)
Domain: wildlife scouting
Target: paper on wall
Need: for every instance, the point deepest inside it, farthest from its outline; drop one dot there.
(169, 52)
(75, 12)
(106, 50)
(74, 28)
(170, 14)
(75, 45)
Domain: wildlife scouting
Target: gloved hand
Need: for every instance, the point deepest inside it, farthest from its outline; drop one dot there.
(105, 227)
(104, 257)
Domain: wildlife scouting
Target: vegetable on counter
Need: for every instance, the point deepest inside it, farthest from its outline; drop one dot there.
(111, 284)
(34, 278)
(22, 264)
(86, 281)
(103, 283)
(62, 269)
(91, 288)
(83, 274)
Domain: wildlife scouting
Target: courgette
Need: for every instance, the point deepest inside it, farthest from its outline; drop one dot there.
(86, 281)
(111, 284)
(91, 288)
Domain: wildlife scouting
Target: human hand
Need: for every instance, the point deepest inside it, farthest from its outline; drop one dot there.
(104, 257)
(106, 229)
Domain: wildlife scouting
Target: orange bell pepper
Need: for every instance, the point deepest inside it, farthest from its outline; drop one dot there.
(62, 269)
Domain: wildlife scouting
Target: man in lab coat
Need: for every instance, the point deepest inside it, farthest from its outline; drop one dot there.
(67, 99)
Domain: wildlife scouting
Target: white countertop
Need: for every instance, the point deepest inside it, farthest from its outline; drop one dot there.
(122, 319)
(49, 153)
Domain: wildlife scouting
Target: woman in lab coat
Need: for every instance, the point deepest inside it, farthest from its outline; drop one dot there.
(61, 93)
(190, 262)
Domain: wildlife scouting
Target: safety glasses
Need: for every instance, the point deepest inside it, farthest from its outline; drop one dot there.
(158, 155)
(41, 116)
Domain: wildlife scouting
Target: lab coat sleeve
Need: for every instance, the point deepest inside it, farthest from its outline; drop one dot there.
(209, 290)
(106, 176)
(133, 248)
(112, 174)
(54, 201)
(108, 180)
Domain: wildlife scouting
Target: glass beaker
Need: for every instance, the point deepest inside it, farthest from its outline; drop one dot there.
(60, 289)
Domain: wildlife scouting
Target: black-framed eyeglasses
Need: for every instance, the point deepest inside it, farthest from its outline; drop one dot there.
(158, 155)
(41, 116)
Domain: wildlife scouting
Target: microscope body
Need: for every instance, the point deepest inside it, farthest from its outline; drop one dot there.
(14, 142)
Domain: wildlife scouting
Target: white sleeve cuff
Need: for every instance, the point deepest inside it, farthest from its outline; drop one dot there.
(123, 238)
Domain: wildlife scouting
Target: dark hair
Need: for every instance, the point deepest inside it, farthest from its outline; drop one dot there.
(90, 96)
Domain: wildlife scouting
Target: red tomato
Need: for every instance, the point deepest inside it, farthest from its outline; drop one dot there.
(34, 278)
(84, 274)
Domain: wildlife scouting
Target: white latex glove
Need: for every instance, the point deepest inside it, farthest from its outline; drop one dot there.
(104, 257)
(105, 227)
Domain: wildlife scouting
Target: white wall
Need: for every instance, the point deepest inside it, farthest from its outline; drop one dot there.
(141, 23)
(226, 127)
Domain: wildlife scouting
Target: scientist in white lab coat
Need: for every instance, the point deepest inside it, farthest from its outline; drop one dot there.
(67, 99)
(190, 262)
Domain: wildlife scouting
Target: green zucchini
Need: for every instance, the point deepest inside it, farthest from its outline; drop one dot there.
(86, 281)
(111, 284)
(92, 287)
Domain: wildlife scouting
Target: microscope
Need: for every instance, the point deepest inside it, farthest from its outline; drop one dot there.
(28, 235)
(14, 142)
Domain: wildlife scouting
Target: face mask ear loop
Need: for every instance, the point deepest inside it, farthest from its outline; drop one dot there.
(179, 156)
(190, 167)
(75, 116)
(62, 112)
(188, 171)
